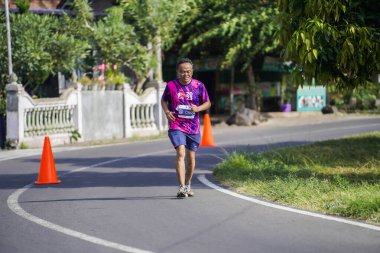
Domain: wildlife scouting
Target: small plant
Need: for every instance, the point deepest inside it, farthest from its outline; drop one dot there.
(23, 146)
(85, 80)
(119, 79)
(75, 136)
(114, 75)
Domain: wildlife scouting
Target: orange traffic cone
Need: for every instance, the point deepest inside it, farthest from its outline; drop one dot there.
(47, 174)
(207, 137)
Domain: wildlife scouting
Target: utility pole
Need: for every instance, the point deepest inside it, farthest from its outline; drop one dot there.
(10, 67)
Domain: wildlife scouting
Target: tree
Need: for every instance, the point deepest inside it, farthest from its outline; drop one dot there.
(42, 45)
(156, 21)
(242, 29)
(334, 41)
(117, 43)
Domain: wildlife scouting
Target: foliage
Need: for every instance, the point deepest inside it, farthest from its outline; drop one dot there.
(335, 41)
(31, 40)
(153, 18)
(40, 47)
(365, 97)
(117, 43)
(119, 78)
(244, 29)
(115, 76)
(75, 136)
(23, 146)
(80, 27)
(157, 27)
(336, 177)
(22, 5)
(85, 80)
(81, 22)
(239, 31)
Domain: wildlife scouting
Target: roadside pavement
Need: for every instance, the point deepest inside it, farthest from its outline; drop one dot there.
(278, 119)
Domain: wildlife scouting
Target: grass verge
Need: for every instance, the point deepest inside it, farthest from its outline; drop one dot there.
(339, 177)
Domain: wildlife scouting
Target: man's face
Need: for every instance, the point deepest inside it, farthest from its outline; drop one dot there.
(185, 72)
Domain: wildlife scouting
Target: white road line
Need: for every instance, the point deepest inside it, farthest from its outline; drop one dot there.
(16, 208)
(205, 181)
(13, 204)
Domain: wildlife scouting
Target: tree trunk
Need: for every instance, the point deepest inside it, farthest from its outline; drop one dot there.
(150, 50)
(149, 75)
(156, 73)
(158, 52)
(252, 89)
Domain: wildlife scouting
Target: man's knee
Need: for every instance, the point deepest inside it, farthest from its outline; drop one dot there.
(180, 152)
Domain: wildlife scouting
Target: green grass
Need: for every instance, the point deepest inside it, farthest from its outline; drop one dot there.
(340, 177)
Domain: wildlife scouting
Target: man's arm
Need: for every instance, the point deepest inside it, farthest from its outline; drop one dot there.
(165, 108)
(205, 106)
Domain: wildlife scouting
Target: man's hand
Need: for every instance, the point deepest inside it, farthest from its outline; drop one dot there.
(194, 108)
(169, 115)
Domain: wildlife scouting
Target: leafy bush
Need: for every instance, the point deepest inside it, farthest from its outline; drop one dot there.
(41, 45)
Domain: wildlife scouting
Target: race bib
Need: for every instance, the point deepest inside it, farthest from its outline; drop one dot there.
(184, 111)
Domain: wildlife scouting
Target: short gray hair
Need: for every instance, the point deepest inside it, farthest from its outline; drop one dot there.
(183, 60)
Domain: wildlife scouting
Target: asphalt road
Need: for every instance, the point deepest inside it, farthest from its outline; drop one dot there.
(121, 198)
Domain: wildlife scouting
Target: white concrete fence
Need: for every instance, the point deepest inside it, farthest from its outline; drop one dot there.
(96, 115)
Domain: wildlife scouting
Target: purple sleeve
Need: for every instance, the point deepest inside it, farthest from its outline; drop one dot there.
(166, 94)
(204, 94)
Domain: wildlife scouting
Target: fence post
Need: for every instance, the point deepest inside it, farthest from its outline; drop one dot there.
(15, 113)
(159, 115)
(78, 117)
(127, 110)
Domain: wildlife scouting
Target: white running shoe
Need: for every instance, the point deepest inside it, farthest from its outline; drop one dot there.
(189, 192)
(182, 192)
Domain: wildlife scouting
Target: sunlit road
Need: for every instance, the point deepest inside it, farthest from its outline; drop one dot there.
(121, 198)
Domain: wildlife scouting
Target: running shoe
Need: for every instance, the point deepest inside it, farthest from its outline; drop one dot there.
(189, 192)
(182, 192)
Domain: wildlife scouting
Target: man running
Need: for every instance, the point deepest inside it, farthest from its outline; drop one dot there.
(182, 101)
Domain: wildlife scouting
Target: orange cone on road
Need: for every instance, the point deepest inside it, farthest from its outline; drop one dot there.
(47, 174)
(207, 137)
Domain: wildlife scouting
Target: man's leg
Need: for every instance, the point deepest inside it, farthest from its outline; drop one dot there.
(190, 165)
(180, 164)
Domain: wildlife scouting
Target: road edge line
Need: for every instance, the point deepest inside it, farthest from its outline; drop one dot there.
(17, 209)
(14, 206)
(202, 178)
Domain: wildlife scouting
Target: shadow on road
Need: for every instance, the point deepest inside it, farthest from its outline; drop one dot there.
(126, 171)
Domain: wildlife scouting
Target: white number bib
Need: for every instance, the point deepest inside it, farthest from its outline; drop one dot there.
(184, 111)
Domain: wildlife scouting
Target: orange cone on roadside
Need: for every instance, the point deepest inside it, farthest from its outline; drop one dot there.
(207, 137)
(47, 174)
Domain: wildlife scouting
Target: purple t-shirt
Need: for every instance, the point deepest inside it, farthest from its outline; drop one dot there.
(179, 98)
